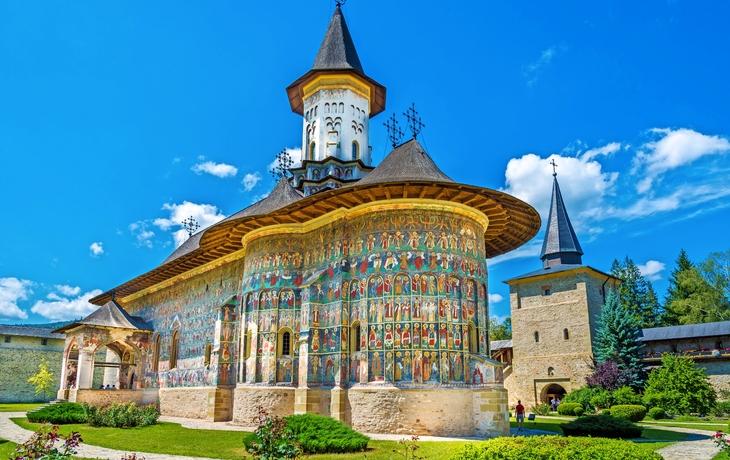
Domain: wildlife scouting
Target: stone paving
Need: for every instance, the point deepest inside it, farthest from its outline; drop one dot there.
(698, 446)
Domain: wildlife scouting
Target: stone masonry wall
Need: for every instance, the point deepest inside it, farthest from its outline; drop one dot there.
(277, 401)
(106, 397)
(185, 402)
(19, 361)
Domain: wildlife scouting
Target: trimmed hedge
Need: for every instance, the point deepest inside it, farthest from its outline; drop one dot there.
(125, 415)
(568, 408)
(58, 414)
(554, 448)
(319, 434)
(657, 413)
(578, 411)
(635, 413)
(602, 426)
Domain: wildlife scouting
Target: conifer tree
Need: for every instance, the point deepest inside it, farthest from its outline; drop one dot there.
(617, 339)
(676, 291)
(637, 295)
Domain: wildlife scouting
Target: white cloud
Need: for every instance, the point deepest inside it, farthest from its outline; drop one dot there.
(674, 148)
(216, 169)
(96, 249)
(250, 181)
(11, 291)
(62, 309)
(651, 270)
(495, 298)
(205, 215)
(140, 232)
(583, 183)
(68, 290)
(533, 71)
(531, 249)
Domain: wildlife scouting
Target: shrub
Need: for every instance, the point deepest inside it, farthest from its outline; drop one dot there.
(318, 434)
(657, 413)
(635, 413)
(721, 408)
(583, 397)
(568, 408)
(608, 376)
(541, 409)
(602, 400)
(272, 440)
(41, 445)
(626, 395)
(554, 448)
(58, 414)
(602, 426)
(578, 411)
(679, 388)
(125, 415)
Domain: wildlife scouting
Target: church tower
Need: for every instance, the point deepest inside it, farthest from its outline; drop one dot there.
(336, 99)
(554, 315)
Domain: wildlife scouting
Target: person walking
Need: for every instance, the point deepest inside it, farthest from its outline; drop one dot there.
(520, 415)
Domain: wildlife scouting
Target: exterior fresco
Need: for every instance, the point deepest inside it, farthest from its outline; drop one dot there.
(386, 297)
(204, 311)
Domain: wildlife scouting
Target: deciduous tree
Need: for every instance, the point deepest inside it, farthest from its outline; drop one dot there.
(43, 380)
(679, 387)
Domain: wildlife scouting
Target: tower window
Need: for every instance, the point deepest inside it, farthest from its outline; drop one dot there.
(566, 335)
(44, 341)
(7, 339)
(551, 371)
(312, 149)
(342, 107)
(537, 336)
(285, 342)
(316, 110)
(355, 150)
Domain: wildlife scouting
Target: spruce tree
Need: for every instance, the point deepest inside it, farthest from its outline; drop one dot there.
(637, 295)
(617, 339)
(676, 291)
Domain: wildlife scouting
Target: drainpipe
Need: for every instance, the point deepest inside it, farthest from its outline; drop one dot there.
(603, 289)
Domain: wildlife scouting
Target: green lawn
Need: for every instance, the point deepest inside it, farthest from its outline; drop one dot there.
(6, 448)
(553, 424)
(19, 407)
(710, 425)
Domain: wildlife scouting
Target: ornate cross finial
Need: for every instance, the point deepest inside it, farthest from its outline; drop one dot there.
(190, 225)
(395, 134)
(555, 165)
(340, 2)
(283, 163)
(414, 121)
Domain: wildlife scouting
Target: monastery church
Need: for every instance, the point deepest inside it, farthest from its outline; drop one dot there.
(352, 290)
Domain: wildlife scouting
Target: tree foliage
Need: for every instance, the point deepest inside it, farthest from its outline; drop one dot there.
(637, 295)
(617, 340)
(608, 376)
(43, 380)
(500, 331)
(679, 387)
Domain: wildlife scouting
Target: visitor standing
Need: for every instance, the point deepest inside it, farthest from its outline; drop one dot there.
(520, 415)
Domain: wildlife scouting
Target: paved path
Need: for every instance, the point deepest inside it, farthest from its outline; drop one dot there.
(698, 446)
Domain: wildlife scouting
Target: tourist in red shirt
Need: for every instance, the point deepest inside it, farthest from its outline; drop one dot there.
(520, 415)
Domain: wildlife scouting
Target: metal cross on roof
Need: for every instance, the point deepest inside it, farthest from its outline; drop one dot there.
(190, 225)
(414, 121)
(555, 165)
(340, 2)
(395, 134)
(283, 163)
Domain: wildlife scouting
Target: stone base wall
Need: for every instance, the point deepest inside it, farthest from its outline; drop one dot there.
(452, 412)
(719, 373)
(185, 402)
(106, 397)
(19, 361)
(276, 400)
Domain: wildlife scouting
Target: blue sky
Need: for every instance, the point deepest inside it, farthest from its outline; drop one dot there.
(121, 118)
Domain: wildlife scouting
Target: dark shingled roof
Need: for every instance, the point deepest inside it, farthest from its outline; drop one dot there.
(29, 331)
(282, 195)
(688, 331)
(111, 314)
(556, 269)
(337, 50)
(407, 162)
(559, 234)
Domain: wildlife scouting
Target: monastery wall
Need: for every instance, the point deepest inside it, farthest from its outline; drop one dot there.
(19, 361)
(106, 397)
(185, 402)
(276, 401)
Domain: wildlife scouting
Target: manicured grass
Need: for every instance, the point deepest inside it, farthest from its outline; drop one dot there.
(709, 425)
(19, 407)
(6, 448)
(171, 438)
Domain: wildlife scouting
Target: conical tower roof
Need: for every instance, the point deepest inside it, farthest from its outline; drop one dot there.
(561, 245)
(337, 50)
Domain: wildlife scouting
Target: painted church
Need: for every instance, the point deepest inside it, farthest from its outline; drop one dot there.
(351, 290)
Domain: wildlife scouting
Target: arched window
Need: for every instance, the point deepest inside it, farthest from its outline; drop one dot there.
(156, 358)
(247, 345)
(285, 346)
(342, 108)
(566, 335)
(207, 354)
(473, 340)
(316, 109)
(312, 149)
(355, 331)
(327, 108)
(173, 349)
(537, 336)
(551, 371)
(355, 150)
